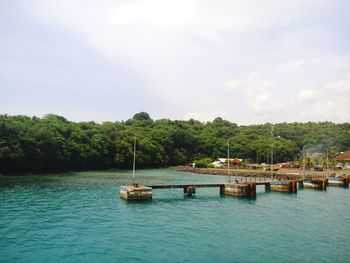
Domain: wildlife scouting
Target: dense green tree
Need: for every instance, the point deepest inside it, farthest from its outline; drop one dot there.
(141, 116)
(53, 143)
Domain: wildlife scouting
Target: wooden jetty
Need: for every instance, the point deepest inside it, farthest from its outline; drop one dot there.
(236, 188)
(245, 189)
(189, 189)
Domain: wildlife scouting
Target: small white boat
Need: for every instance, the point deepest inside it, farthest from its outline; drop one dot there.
(315, 183)
(342, 181)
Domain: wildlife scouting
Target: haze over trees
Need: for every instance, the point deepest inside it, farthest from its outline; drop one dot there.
(52, 143)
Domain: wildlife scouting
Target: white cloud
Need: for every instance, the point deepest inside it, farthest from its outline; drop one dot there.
(341, 87)
(252, 61)
(298, 90)
(307, 95)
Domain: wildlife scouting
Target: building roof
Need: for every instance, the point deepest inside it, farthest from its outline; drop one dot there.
(233, 160)
(345, 156)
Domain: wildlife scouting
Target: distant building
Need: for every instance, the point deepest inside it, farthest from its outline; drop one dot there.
(252, 166)
(233, 161)
(343, 160)
(286, 165)
(217, 164)
(220, 162)
(289, 166)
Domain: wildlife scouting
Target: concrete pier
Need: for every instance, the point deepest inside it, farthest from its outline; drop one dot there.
(188, 189)
(243, 189)
(289, 186)
(247, 189)
(136, 192)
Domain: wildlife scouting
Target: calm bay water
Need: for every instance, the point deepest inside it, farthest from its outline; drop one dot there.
(79, 217)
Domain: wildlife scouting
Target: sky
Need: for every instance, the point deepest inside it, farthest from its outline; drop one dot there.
(245, 61)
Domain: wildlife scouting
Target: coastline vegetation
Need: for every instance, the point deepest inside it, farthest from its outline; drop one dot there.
(53, 143)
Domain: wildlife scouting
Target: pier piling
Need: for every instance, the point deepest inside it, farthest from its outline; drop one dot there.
(288, 186)
(246, 189)
(189, 190)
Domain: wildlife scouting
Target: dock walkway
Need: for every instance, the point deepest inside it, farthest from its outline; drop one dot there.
(167, 186)
(190, 189)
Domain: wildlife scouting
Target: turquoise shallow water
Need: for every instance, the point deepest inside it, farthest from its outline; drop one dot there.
(79, 217)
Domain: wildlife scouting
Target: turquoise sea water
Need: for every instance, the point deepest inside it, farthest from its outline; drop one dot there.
(79, 217)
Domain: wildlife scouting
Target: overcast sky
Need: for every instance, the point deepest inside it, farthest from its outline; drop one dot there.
(245, 61)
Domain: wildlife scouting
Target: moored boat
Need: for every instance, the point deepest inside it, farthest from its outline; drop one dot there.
(342, 181)
(319, 183)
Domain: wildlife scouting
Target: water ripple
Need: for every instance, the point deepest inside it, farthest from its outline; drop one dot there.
(78, 217)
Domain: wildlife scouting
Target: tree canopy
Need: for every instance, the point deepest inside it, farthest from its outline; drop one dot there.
(53, 143)
(141, 116)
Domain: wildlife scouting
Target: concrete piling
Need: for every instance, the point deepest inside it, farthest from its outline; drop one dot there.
(289, 186)
(190, 190)
(246, 189)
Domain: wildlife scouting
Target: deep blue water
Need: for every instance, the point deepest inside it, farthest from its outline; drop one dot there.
(79, 217)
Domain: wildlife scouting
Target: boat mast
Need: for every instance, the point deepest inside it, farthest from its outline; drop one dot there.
(228, 161)
(133, 166)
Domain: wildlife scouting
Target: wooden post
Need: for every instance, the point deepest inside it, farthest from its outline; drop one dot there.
(190, 190)
(293, 186)
(345, 180)
(301, 183)
(324, 184)
(253, 190)
(222, 188)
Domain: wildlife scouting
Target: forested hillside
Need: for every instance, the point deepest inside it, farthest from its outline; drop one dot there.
(53, 143)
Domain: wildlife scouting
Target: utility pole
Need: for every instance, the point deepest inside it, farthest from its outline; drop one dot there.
(272, 130)
(228, 161)
(133, 165)
(304, 160)
(327, 161)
